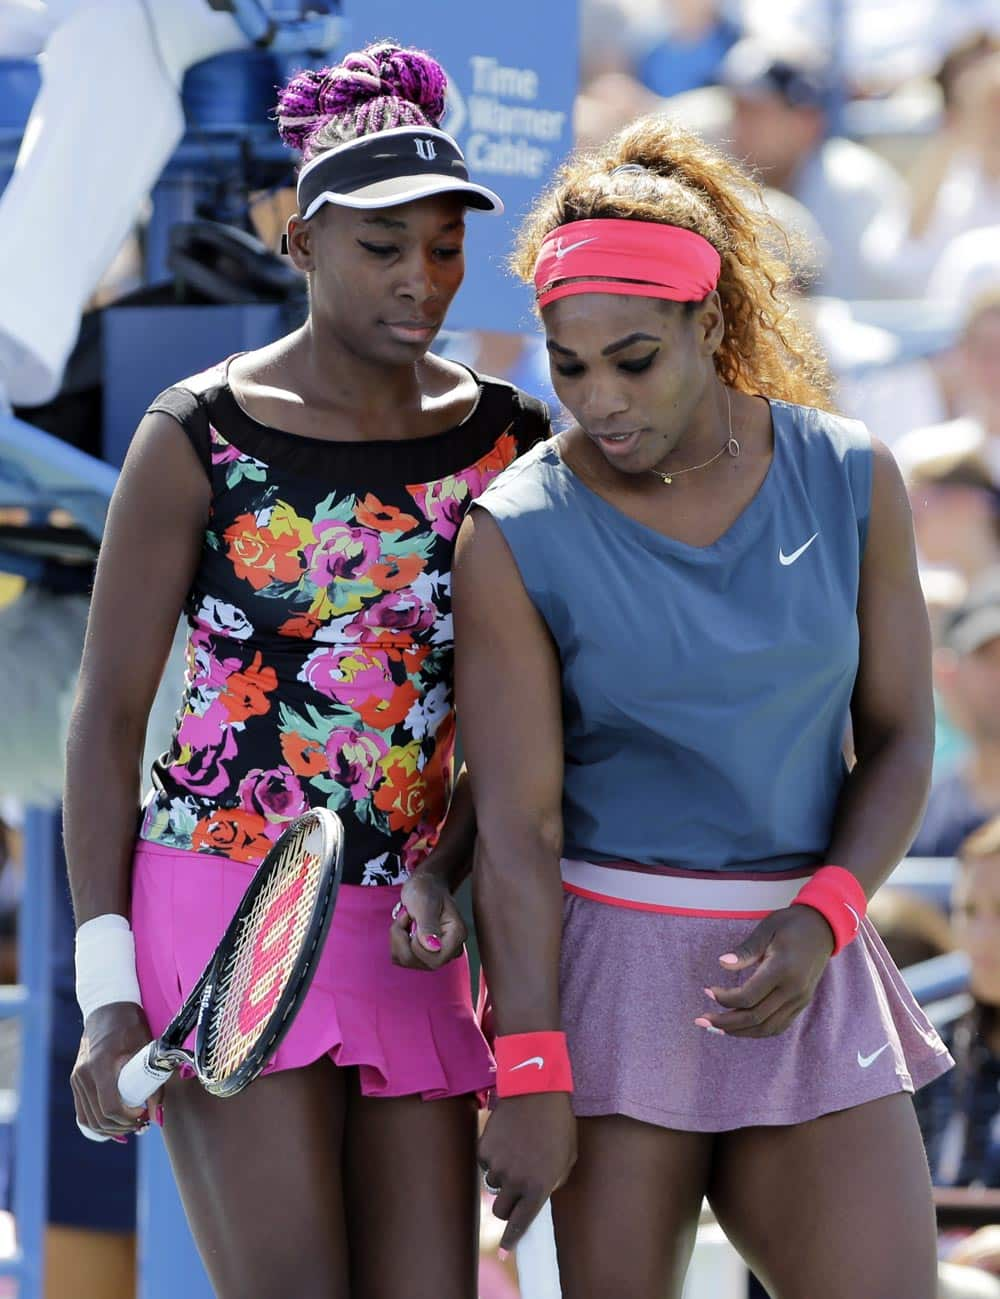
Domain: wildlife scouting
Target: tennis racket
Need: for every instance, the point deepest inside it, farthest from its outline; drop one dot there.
(257, 978)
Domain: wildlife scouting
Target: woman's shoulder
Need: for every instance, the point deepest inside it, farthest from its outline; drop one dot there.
(531, 484)
(822, 431)
(191, 400)
(831, 456)
(528, 415)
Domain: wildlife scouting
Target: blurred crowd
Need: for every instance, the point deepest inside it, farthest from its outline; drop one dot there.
(874, 128)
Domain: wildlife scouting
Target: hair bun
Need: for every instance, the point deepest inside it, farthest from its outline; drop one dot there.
(381, 71)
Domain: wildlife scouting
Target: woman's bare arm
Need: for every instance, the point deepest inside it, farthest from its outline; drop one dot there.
(509, 701)
(893, 708)
(883, 797)
(148, 558)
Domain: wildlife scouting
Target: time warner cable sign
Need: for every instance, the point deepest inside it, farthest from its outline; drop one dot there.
(512, 75)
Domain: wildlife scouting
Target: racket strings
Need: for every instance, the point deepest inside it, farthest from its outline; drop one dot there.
(251, 983)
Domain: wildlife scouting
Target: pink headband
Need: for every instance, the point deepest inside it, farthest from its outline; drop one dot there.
(643, 259)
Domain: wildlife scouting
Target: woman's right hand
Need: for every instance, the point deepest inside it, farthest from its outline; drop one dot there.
(527, 1151)
(111, 1036)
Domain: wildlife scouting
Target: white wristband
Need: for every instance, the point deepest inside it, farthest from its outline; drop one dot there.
(105, 964)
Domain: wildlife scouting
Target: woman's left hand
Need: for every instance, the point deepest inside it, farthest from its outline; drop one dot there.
(427, 930)
(788, 952)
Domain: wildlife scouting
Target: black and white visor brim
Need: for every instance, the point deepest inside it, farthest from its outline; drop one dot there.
(389, 168)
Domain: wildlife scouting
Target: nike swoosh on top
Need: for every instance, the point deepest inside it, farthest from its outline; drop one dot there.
(561, 251)
(536, 1060)
(790, 559)
(866, 1061)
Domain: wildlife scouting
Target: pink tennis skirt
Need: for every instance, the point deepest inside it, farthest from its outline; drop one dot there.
(638, 949)
(409, 1032)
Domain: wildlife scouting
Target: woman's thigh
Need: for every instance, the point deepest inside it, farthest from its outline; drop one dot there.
(625, 1221)
(412, 1196)
(838, 1208)
(260, 1177)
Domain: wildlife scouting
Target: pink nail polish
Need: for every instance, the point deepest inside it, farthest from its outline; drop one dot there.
(122, 1141)
(159, 1115)
(710, 995)
(702, 1022)
(730, 958)
(432, 942)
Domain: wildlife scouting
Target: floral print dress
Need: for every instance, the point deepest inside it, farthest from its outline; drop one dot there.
(320, 652)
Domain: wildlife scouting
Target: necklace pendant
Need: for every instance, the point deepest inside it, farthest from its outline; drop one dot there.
(667, 480)
(733, 447)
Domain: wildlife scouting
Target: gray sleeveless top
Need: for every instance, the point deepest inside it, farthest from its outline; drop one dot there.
(705, 689)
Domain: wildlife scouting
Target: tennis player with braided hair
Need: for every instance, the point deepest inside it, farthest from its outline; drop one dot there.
(665, 619)
(300, 504)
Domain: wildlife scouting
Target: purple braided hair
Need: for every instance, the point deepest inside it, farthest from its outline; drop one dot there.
(375, 89)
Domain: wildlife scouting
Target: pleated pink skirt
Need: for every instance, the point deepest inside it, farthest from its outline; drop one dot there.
(409, 1032)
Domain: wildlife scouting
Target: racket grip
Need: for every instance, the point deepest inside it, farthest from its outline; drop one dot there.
(537, 1262)
(137, 1081)
(139, 1078)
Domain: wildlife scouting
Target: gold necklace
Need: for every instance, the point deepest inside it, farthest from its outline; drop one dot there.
(731, 445)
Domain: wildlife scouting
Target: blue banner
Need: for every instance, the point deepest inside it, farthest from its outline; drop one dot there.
(512, 74)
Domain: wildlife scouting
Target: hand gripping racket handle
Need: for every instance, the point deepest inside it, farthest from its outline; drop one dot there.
(137, 1081)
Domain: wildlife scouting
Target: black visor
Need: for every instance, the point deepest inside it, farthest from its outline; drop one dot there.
(388, 168)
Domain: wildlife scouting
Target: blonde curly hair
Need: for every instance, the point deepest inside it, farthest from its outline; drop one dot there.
(682, 181)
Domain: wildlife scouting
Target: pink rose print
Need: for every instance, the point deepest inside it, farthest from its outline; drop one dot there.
(275, 794)
(207, 671)
(361, 679)
(443, 503)
(340, 551)
(207, 744)
(397, 611)
(353, 757)
(349, 676)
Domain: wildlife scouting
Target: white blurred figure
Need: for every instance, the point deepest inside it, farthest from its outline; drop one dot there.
(783, 91)
(880, 43)
(957, 187)
(106, 120)
(970, 383)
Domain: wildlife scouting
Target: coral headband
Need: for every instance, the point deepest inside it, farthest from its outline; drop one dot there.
(641, 258)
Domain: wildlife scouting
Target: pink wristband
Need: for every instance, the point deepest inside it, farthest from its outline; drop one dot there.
(532, 1062)
(836, 894)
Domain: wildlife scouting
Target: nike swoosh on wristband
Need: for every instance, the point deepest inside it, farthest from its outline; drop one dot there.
(857, 918)
(790, 559)
(561, 251)
(866, 1061)
(537, 1060)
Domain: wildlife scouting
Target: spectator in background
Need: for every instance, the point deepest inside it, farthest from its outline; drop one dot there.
(783, 94)
(955, 186)
(913, 928)
(968, 379)
(956, 511)
(967, 674)
(960, 1114)
(682, 44)
(944, 590)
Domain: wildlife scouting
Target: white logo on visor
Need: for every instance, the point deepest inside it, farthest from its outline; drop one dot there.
(426, 149)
